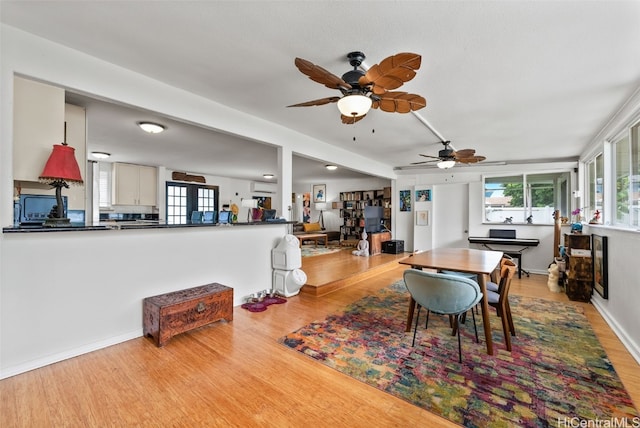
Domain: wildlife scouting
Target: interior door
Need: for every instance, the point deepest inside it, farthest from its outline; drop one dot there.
(451, 216)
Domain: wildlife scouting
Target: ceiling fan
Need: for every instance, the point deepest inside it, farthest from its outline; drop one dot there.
(448, 157)
(362, 90)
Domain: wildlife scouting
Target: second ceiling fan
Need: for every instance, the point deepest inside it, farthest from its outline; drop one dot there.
(362, 90)
(448, 157)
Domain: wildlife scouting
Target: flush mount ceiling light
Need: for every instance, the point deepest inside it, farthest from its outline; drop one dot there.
(151, 128)
(100, 155)
(331, 167)
(269, 176)
(446, 164)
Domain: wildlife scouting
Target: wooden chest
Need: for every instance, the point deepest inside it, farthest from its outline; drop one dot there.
(169, 314)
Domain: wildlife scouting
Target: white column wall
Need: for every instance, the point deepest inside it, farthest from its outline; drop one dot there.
(67, 293)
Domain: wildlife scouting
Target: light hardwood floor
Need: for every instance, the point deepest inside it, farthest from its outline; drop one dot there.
(236, 374)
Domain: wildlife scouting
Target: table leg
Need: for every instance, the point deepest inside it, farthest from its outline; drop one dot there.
(412, 307)
(482, 282)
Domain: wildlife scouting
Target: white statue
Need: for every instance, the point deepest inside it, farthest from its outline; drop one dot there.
(363, 246)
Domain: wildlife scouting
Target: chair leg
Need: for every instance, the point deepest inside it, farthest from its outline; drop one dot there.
(475, 327)
(459, 343)
(415, 329)
(510, 318)
(463, 317)
(505, 330)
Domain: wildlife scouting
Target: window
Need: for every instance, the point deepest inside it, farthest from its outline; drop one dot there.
(183, 199)
(528, 198)
(104, 185)
(504, 199)
(595, 180)
(627, 179)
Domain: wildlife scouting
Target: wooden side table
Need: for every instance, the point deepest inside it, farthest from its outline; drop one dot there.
(375, 241)
(172, 313)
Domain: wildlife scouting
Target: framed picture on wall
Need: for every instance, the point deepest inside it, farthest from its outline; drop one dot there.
(319, 193)
(600, 271)
(423, 195)
(306, 208)
(422, 218)
(405, 200)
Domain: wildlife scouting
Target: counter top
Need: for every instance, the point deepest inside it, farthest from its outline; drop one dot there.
(133, 225)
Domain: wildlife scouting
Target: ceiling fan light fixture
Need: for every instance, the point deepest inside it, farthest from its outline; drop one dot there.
(100, 155)
(446, 164)
(151, 128)
(331, 167)
(354, 105)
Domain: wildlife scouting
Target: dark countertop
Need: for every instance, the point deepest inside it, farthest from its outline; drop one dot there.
(133, 225)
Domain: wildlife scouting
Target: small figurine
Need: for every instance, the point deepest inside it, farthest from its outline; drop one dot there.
(508, 220)
(596, 218)
(363, 246)
(530, 219)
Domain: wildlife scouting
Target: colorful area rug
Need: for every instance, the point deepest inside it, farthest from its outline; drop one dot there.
(311, 250)
(557, 374)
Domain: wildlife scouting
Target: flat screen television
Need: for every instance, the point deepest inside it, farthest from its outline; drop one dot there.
(268, 215)
(373, 219)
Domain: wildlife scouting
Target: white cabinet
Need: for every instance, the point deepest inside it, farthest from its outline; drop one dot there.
(134, 185)
(39, 118)
(148, 186)
(38, 124)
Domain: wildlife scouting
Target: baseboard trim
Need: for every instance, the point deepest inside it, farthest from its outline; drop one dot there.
(71, 353)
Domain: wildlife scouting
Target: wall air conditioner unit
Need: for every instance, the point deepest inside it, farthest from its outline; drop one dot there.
(262, 187)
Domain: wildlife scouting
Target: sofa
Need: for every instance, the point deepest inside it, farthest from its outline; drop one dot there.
(302, 228)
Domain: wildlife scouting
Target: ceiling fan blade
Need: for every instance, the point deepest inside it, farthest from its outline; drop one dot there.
(429, 156)
(464, 153)
(472, 159)
(392, 72)
(399, 102)
(423, 162)
(350, 120)
(320, 75)
(319, 102)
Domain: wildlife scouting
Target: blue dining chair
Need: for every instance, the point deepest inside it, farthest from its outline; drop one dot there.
(443, 294)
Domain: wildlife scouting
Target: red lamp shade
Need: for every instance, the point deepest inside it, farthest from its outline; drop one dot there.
(61, 165)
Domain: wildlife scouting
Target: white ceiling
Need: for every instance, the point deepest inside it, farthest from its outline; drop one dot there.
(515, 80)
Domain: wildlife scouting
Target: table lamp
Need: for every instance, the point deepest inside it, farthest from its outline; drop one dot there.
(249, 203)
(61, 168)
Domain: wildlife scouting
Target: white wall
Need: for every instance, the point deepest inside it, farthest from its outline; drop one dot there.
(620, 310)
(67, 293)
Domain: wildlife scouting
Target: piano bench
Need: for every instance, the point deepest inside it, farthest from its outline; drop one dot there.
(518, 256)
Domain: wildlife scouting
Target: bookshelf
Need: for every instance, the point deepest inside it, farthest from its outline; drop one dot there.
(352, 210)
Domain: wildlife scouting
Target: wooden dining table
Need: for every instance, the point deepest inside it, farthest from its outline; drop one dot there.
(480, 262)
